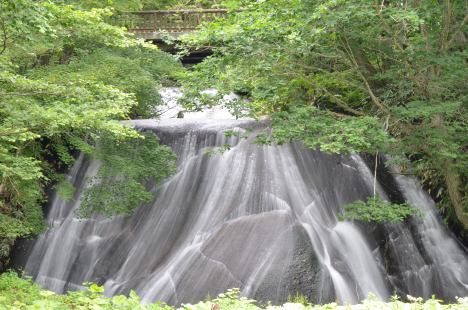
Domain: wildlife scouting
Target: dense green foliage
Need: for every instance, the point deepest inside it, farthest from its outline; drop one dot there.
(359, 75)
(118, 186)
(117, 5)
(133, 70)
(375, 209)
(18, 294)
(66, 79)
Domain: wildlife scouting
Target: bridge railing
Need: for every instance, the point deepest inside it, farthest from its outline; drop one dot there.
(170, 20)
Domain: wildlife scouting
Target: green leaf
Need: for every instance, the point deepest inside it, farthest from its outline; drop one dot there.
(375, 209)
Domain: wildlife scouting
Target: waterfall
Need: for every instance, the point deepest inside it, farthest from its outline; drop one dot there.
(441, 263)
(263, 219)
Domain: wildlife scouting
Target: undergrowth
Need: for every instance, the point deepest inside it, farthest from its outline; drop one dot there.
(22, 293)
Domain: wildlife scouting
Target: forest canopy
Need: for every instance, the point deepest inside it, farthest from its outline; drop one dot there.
(67, 78)
(350, 76)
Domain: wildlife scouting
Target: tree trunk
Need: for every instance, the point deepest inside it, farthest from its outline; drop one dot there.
(453, 183)
(362, 60)
(452, 179)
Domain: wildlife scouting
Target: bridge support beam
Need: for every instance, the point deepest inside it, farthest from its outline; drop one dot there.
(155, 36)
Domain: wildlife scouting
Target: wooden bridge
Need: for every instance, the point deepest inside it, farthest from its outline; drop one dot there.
(147, 24)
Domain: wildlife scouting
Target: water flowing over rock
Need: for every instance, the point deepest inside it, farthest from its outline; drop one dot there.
(259, 218)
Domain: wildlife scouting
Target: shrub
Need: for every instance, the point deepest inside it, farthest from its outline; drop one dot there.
(22, 293)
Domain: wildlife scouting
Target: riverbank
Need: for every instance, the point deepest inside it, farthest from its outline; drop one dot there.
(19, 293)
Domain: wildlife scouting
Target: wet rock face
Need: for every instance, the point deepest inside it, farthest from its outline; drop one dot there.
(309, 278)
(421, 256)
(296, 271)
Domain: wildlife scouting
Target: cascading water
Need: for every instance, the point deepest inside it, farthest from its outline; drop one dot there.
(259, 218)
(441, 263)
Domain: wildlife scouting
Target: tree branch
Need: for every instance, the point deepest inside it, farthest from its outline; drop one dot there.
(29, 94)
(402, 51)
(401, 173)
(445, 25)
(328, 73)
(355, 65)
(310, 52)
(339, 102)
(18, 132)
(455, 35)
(5, 37)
